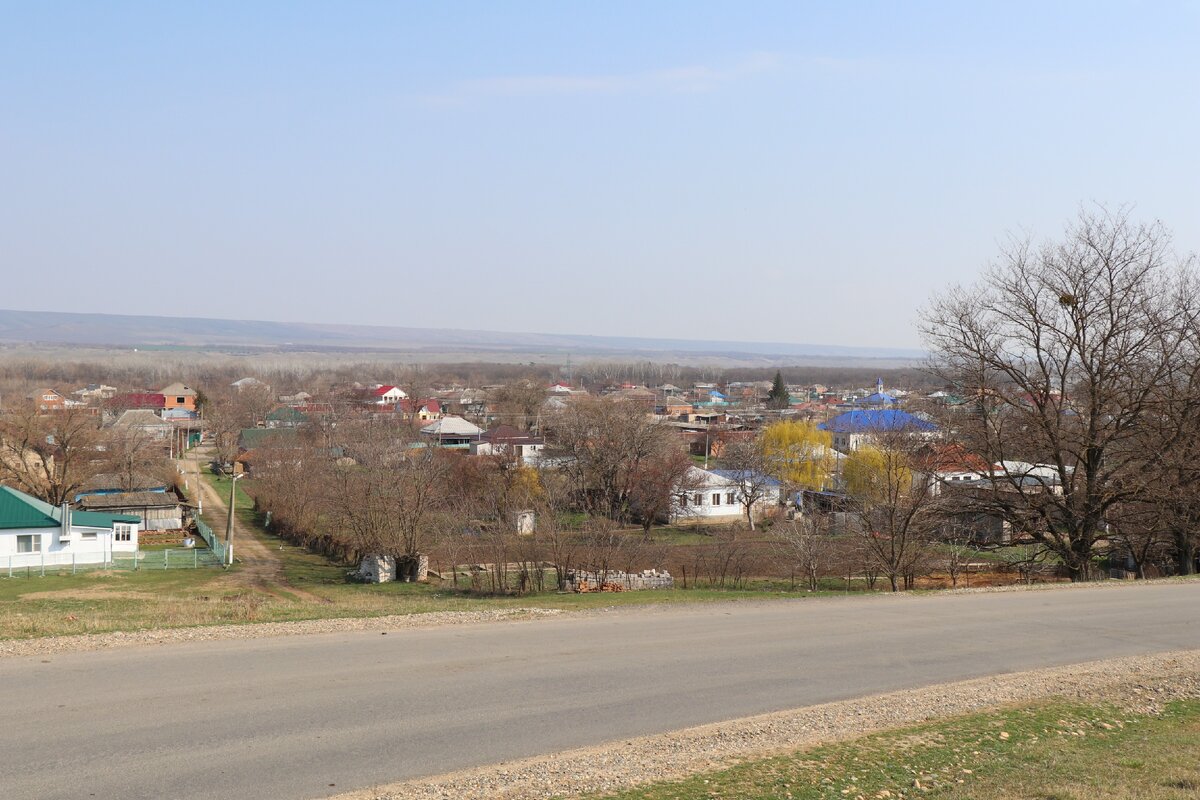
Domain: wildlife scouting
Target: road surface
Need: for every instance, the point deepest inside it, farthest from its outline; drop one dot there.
(310, 716)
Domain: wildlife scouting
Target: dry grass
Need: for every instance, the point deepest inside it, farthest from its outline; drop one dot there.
(1044, 751)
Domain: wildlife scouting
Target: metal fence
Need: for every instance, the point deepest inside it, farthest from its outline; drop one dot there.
(214, 544)
(38, 564)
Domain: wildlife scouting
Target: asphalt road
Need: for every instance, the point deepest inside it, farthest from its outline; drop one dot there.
(310, 716)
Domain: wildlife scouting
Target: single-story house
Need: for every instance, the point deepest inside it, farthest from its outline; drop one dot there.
(420, 410)
(716, 496)
(34, 533)
(158, 511)
(852, 429)
(453, 432)
(253, 438)
(504, 440)
(387, 395)
(243, 384)
(285, 417)
(144, 422)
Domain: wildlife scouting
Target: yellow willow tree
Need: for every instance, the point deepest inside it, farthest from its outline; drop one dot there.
(798, 454)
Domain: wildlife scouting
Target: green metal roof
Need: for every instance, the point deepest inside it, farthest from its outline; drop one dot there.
(20, 510)
(286, 414)
(250, 438)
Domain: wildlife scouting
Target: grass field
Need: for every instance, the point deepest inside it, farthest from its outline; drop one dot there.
(313, 588)
(97, 601)
(1054, 751)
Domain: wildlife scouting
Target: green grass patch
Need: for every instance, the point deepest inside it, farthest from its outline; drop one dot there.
(1047, 751)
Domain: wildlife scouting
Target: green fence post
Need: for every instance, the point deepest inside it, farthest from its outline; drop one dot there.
(72, 562)
(166, 557)
(195, 558)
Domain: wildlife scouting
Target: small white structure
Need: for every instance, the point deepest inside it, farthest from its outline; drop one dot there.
(377, 568)
(34, 533)
(525, 521)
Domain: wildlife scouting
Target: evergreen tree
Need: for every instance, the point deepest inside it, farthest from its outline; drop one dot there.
(778, 397)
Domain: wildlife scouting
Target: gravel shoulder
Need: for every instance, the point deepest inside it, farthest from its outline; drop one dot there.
(262, 630)
(1141, 683)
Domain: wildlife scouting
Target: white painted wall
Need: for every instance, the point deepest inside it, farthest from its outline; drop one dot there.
(718, 498)
(85, 545)
(527, 454)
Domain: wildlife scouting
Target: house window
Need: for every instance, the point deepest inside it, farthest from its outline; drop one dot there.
(698, 499)
(122, 533)
(716, 498)
(683, 500)
(729, 498)
(179, 400)
(29, 543)
(87, 536)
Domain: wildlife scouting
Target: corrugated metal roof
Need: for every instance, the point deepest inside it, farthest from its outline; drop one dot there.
(20, 510)
(874, 420)
(129, 500)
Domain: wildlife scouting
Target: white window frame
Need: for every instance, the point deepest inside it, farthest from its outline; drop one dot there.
(34, 542)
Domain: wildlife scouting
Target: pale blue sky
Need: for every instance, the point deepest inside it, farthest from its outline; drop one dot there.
(757, 171)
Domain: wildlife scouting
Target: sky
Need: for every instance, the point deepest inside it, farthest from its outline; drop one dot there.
(792, 171)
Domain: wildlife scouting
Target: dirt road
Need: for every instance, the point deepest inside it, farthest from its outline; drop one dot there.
(259, 566)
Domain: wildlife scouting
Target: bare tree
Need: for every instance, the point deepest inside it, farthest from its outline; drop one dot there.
(747, 466)
(896, 508)
(50, 455)
(1169, 467)
(604, 446)
(520, 402)
(657, 484)
(393, 498)
(803, 545)
(1064, 348)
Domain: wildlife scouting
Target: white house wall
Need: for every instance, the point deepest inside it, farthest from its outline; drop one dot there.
(730, 506)
(55, 552)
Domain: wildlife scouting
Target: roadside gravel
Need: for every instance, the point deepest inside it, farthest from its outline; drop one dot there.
(166, 636)
(1142, 683)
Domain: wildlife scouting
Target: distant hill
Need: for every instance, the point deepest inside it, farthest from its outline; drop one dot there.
(120, 330)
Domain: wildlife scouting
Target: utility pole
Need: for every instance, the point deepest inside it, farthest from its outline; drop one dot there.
(229, 521)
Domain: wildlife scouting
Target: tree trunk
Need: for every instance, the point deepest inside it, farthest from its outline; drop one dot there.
(1185, 549)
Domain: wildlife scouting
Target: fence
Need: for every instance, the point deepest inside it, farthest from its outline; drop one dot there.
(214, 544)
(59, 563)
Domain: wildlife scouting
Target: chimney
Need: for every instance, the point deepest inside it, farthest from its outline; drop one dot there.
(64, 534)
